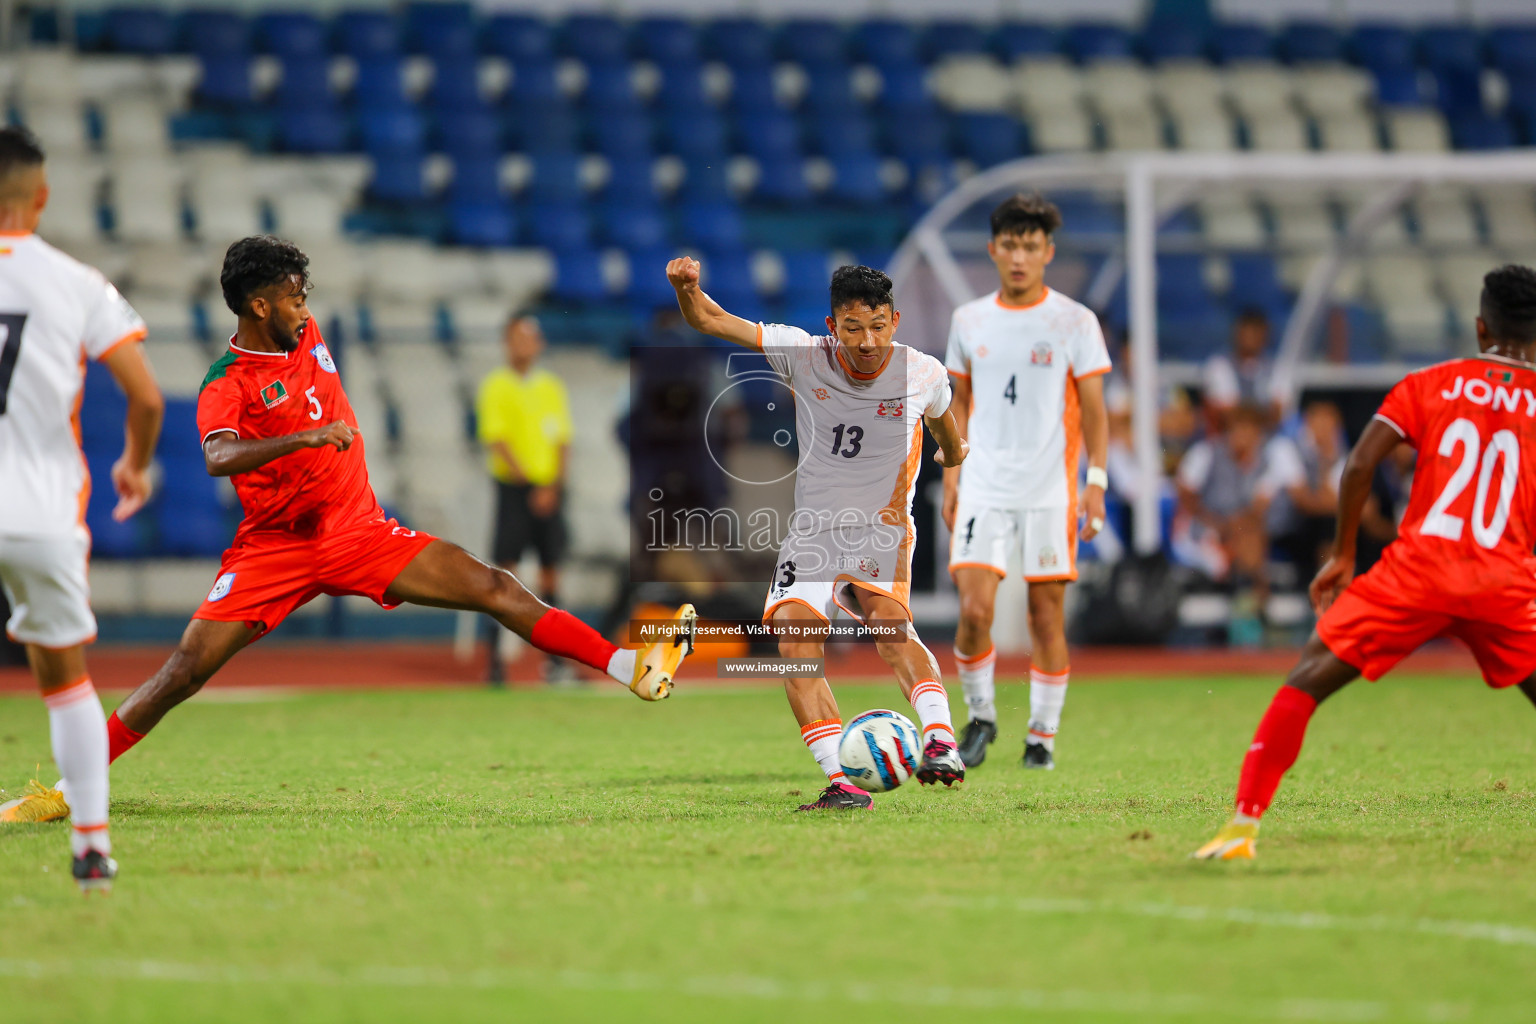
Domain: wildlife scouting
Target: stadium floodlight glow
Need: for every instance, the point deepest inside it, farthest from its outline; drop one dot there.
(1155, 186)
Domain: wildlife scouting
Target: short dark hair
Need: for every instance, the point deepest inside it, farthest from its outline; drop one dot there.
(1025, 212)
(860, 284)
(18, 148)
(1253, 315)
(258, 262)
(1509, 304)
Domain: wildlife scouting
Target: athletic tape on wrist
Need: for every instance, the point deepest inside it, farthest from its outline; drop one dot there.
(1098, 477)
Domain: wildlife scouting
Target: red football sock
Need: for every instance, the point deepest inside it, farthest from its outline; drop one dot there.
(1274, 749)
(560, 632)
(119, 738)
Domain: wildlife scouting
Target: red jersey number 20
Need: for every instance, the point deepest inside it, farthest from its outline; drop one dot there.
(1502, 455)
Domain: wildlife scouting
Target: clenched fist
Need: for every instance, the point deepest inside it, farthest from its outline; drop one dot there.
(683, 273)
(337, 434)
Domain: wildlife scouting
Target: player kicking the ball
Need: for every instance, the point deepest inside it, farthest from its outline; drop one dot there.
(1032, 361)
(274, 418)
(1461, 565)
(861, 401)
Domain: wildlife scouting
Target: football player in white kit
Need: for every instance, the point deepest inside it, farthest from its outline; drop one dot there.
(54, 314)
(861, 400)
(1029, 364)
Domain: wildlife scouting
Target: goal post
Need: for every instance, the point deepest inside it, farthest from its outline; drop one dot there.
(930, 279)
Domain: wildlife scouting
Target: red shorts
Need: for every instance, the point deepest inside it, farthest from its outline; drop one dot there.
(264, 583)
(1373, 625)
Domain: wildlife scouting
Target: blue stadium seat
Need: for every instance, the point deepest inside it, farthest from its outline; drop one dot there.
(812, 41)
(739, 42)
(856, 179)
(805, 276)
(1232, 41)
(752, 89)
(704, 181)
(380, 82)
(1172, 40)
(829, 89)
(1193, 334)
(839, 134)
(559, 225)
(306, 83)
(476, 180)
(945, 38)
(918, 136)
(291, 34)
(469, 133)
(1476, 130)
(632, 181)
(698, 134)
(905, 88)
(728, 277)
(489, 222)
(1451, 46)
(1513, 47)
(667, 40)
(1255, 280)
(769, 135)
(782, 180)
(556, 177)
(648, 286)
(714, 225)
(1379, 47)
(596, 39)
(519, 37)
(884, 41)
(610, 88)
(441, 29)
(1522, 92)
(214, 31)
(367, 33)
(1017, 39)
(109, 538)
(146, 30)
(1090, 41)
(535, 82)
(544, 128)
(579, 275)
(1087, 215)
(1398, 87)
(226, 79)
(1459, 91)
(317, 129)
(392, 131)
(634, 225)
(456, 85)
(622, 134)
(682, 87)
(990, 139)
(398, 179)
(1303, 41)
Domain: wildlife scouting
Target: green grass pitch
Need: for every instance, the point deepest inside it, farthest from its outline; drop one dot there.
(539, 856)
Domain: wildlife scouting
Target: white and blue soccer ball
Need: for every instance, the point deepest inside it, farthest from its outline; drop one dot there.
(880, 750)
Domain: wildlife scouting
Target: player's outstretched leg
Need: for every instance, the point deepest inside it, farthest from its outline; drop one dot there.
(918, 674)
(803, 635)
(1318, 675)
(444, 575)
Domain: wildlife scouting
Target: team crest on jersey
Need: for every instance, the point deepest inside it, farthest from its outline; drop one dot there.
(221, 587)
(1047, 557)
(981, 350)
(274, 394)
(1040, 355)
(323, 357)
(869, 567)
(821, 394)
(892, 407)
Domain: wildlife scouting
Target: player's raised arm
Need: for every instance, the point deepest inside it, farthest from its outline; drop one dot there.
(141, 428)
(1375, 444)
(953, 446)
(228, 454)
(703, 313)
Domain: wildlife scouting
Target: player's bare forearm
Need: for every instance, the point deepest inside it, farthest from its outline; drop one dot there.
(953, 446)
(960, 405)
(146, 405)
(227, 454)
(1374, 445)
(703, 313)
(1095, 417)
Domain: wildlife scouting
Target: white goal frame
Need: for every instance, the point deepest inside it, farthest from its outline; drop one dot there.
(1156, 186)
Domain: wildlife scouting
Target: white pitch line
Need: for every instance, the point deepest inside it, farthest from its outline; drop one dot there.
(740, 986)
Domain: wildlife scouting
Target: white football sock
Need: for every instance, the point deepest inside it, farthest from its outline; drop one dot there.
(78, 728)
(822, 737)
(1047, 693)
(622, 665)
(932, 706)
(976, 679)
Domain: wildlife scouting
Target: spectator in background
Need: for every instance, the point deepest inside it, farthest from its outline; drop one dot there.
(525, 425)
(1247, 375)
(1312, 497)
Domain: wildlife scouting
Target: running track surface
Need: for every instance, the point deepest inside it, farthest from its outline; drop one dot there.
(344, 664)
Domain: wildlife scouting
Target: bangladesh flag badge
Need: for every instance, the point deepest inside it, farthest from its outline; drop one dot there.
(1502, 376)
(274, 394)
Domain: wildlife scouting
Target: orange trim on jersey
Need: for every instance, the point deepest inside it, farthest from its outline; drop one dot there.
(759, 341)
(1029, 305)
(1072, 425)
(137, 334)
(1000, 573)
(860, 375)
(768, 612)
(16, 234)
(82, 499)
(1093, 373)
(957, 373)
(1066, 577)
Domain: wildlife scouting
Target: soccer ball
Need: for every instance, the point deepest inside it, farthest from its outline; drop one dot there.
(879, 750)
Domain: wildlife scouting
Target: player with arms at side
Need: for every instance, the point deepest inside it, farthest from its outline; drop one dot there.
(1028, 363)
(861, 400)
(1462, 564)
(54, 314)
(275, 419)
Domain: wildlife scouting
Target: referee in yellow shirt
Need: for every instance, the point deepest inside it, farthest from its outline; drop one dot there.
(525, 426)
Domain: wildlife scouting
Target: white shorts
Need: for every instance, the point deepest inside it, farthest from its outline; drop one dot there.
(1043, 539)
(44, 578)
(822, 571)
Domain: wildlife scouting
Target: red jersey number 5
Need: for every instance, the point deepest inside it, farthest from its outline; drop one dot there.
(1485, 530)
(314, 403)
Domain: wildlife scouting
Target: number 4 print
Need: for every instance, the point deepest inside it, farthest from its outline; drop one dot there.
(314, 403)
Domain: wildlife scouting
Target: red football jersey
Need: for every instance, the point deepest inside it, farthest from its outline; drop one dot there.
(1465, 542)
(309, 492)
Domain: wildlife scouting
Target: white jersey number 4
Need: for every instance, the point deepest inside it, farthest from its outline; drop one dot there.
(1440, 523)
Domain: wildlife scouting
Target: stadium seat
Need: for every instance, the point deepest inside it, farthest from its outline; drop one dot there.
(1510, 213)
(1022, 39)
(579, 275)
(1450, 46)
(904, 88)
(843, 133)
(519, 37)
(489, 222)
(456, 86)
(380, 82)
(559, 225)
(398, 178)
(135, 125)
(441, 29)
(973, 85)
(945, 38)
(1445, 218)
(596, 39)
(881, 42)
(556, 177)
(1305, 42)
(1170, 39)
(225, 80)
(535, 81)
(1459, 91)
(1382, 46)
(73, 213)
(857, 178)
(696, 134)
(1513, 48)
(811, 42)
(712, 225)
(769, 135)
(739, 42)
(728, 277)
(1235, 41)
(1471, 130)
(619, 134)
(367, 33)
(1087, 41)
(667, 40)
(1416, 130)
(146, 200)
(224, 201)
(990, 139)
(634, 225)
(783, 180)
(216, 32)
(1254, 280)
(143, 30)
(305, 84)
(648, 286)
(397, 131)
(1398, 87)
(918, 137)
(830, 90)
(469, 133)
(705, 181)
(291, 34)
(610, 88)
(1300, 217)
(476, 179)
(1231, 221)
(682, 88)
(1329, 90)
(541, 129)
(632, 181)
(753, 89)
(1349, 133)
